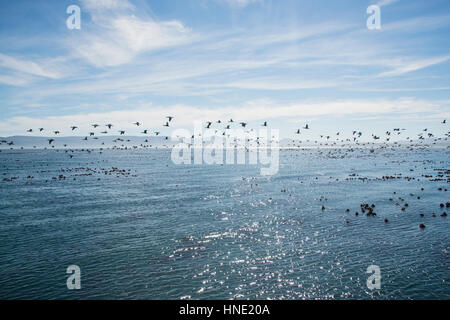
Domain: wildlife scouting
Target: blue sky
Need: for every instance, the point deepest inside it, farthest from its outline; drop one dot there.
(287, 62)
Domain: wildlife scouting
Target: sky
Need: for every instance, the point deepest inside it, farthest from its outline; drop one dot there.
(288, 62)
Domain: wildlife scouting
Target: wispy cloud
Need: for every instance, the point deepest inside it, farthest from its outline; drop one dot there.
(241, 3)
(118, 36)
(26, 66)
(277, 83)
(386, 2)
(407, 67)
(15, 80)
(102, 5)
(280, 60)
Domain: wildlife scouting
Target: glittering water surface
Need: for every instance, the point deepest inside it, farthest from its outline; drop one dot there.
(141, 227)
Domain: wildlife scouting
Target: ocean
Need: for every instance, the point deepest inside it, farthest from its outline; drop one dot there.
(140, 227)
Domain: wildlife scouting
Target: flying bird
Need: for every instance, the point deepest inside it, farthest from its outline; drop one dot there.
(74, 127)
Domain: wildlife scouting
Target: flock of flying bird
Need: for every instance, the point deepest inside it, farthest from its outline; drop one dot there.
(138, 124)
(356, 135)
(109, 126)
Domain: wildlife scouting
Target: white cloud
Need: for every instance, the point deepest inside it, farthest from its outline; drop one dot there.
(26, 66)
(385, 2)
(407, 67)
(241, 3)
(118, 37)
(279, 83)
(15, 80)
(92, 5)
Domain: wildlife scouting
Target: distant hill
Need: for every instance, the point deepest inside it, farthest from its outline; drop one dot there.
(78, 142)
